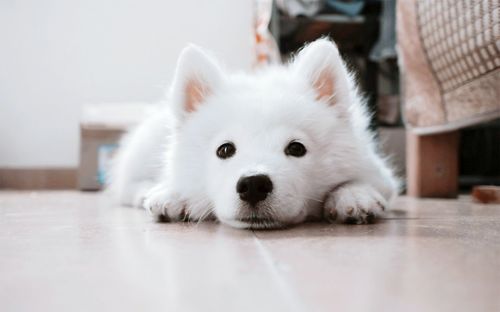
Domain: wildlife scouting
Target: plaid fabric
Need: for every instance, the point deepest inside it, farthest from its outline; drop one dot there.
(459, 42)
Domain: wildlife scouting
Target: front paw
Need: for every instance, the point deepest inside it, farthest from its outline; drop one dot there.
(354, 204)
(165, 206)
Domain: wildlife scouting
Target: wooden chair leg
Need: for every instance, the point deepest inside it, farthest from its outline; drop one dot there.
(432, 164)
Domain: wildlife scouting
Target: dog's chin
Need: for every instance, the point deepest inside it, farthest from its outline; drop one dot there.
(262, 217)
(247, 218)
(254, 223)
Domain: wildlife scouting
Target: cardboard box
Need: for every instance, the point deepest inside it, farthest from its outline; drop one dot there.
(101, 128)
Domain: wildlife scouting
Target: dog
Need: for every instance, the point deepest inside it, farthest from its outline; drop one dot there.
(270, 149)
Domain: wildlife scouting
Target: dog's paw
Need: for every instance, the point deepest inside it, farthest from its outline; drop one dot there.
(354, 204)
(164, 206)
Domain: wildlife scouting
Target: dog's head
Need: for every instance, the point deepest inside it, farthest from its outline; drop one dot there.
(259, 146)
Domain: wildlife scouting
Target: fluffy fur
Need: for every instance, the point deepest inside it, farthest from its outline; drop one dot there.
(169, 164)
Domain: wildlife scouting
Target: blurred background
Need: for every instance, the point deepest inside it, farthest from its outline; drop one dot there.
(74, 75)
(57, 56)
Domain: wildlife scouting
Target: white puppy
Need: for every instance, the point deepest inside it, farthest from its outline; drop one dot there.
(262, 150)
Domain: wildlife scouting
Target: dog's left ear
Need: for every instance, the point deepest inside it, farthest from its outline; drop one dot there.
(197, 76)
(321, 64)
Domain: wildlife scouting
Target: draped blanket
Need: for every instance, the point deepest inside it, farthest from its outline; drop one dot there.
(449, 53)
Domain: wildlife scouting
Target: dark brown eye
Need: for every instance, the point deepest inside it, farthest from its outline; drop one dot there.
(295, 149)
(226, 150)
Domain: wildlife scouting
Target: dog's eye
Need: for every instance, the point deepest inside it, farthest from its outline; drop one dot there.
(295, 149)
(226, 150)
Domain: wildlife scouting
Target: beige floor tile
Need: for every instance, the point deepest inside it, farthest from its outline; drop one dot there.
(70, 251)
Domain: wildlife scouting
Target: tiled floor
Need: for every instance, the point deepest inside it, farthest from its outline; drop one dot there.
(69, 251)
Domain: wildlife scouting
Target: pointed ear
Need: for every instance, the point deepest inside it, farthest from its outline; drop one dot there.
(197, 76)
(321, 64)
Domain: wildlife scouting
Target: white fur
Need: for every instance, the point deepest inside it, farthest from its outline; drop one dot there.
(169, 164)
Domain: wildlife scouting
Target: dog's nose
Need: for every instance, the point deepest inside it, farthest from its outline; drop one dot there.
(254, 189)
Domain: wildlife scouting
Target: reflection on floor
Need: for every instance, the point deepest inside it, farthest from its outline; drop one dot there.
(70, 251)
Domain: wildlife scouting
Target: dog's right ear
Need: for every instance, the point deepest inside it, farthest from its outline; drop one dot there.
(197, 77)
(322, 66)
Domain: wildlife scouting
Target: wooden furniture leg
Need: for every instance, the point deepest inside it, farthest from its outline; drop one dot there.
(432, 164)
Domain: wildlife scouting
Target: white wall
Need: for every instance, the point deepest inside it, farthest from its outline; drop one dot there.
(56, 55)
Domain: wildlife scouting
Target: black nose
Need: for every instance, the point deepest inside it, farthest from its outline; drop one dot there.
(254, 189)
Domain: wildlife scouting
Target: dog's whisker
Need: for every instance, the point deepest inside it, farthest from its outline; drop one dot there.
(314, 199)
(204, 215)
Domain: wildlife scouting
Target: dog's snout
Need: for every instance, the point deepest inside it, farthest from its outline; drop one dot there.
(254, 189)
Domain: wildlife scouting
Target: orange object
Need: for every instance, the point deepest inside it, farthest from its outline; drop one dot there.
(486, 194)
